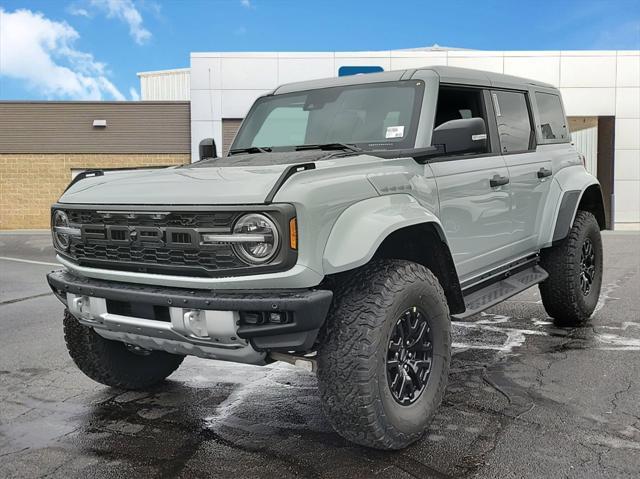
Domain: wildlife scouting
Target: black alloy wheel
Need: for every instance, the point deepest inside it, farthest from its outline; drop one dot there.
(587, 266)
(409, 356)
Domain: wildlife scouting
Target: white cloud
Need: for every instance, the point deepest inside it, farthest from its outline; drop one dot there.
(41, 52)
(133, 93)
(246, 3)
(127, 12)
(78, 11)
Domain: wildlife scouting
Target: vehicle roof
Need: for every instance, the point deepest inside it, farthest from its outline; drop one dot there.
(463, 76)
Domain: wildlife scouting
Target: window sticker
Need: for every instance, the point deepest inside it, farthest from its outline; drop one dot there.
(395, 132)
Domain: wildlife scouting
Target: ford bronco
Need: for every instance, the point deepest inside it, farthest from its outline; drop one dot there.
(351, 220)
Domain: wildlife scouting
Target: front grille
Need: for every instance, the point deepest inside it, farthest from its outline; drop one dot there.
(165, 241)
(222, 257)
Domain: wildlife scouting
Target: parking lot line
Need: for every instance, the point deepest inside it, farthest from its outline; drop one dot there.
(30, 261)
(17, 300)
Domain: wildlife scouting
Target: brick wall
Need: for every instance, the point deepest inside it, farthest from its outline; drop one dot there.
(30, 183)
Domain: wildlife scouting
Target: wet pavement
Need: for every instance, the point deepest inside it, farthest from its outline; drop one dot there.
(525, 399)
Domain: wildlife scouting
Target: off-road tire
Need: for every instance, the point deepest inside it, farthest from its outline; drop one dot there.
(352, 370)
(111, 363)
(561, 293)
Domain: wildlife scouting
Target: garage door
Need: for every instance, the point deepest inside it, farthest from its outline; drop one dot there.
(229, 129)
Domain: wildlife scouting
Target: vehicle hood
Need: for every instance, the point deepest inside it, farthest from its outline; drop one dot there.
(239, 179)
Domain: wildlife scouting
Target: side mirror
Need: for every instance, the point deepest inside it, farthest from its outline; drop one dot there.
(207, 149)
(468, 135)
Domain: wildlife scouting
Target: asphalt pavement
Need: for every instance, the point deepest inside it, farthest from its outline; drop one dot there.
(525, 399)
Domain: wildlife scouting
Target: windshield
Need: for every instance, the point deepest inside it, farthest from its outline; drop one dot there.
(368, 116)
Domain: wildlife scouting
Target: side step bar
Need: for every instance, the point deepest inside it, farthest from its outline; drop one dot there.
(494, 293)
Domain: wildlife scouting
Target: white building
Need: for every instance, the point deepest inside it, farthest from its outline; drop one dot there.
(601, 92)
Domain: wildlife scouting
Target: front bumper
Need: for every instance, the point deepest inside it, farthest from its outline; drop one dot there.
(207, 323)
(299, 276)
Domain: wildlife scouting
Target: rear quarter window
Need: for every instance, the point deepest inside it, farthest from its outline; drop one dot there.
(551, 121)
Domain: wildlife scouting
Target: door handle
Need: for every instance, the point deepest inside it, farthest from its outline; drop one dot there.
(544, 172)
(498, 180)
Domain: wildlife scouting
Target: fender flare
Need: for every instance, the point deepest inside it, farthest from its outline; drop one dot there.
(363, 226)
(574, 192)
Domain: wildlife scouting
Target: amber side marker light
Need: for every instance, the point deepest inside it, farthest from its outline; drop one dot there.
(293, 233)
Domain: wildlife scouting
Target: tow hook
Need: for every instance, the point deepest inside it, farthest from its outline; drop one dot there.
(135, 349)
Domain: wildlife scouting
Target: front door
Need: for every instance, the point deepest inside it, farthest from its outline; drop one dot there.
(475, 215)
(473, 190)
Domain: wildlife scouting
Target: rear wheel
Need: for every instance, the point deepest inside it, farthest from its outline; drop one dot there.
(384, 357)
(571, 292)
(114, 363)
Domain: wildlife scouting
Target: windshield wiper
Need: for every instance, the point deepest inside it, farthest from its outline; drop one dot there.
(329, 146)
(251, 149)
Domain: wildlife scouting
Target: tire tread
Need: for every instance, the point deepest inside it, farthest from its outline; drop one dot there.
(560, 290)
(346, 364)
(108, 362)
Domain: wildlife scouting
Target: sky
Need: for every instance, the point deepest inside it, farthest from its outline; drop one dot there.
(92, 49)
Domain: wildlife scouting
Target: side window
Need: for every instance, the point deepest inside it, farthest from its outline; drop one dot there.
(283, 126)
(514, 123)
(457, 104)
(462, 104)
(552, 123)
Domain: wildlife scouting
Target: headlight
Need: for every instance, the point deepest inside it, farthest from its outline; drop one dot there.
(60, 223)
(264, 233)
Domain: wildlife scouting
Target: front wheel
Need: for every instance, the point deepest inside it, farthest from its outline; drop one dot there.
(384, 357)
(114, 363)
(570, 293)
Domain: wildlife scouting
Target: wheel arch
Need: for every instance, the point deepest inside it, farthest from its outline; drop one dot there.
(588, 199)
(592, 201)
(424, 244)
(393, 227)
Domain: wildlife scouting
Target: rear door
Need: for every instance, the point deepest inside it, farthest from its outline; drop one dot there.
(474, 209)
(530, 171)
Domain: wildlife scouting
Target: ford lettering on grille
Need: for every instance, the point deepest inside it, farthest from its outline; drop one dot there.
(139, 235)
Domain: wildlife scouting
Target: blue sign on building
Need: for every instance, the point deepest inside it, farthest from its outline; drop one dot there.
(357, 70)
